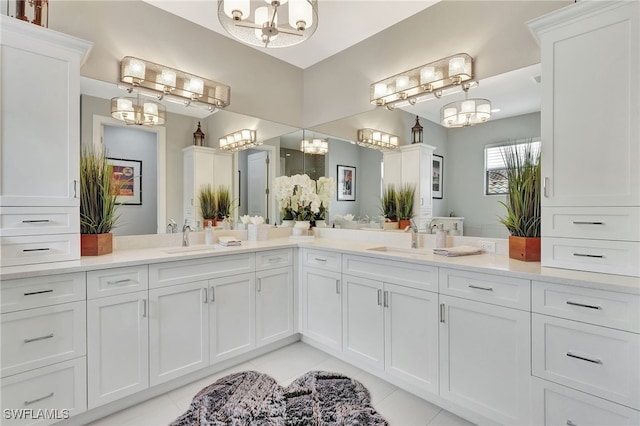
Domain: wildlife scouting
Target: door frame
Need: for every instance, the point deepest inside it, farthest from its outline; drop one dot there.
(271, 152)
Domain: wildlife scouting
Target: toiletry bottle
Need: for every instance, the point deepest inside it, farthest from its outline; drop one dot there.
(208, 234)
(455, 231)
(441, 237)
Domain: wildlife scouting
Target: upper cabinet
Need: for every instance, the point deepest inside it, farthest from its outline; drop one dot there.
(590, 129)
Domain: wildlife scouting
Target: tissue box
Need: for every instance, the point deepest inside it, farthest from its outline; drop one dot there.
(257, 232)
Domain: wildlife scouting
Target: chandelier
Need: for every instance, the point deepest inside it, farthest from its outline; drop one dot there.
(314, 146)
(376, 139)
(269, 23)
(432, 80)
(237, 141)
(467, 112)
(135, 111)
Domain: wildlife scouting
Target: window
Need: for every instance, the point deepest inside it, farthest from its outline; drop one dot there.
(495, 180)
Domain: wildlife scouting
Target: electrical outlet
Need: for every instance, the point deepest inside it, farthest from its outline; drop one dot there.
(487, 246)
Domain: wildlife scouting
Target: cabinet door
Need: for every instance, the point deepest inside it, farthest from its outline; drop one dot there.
(322, 307)
(591, 137)
(178, 331)
(411, 335)
(231, 316)
(363, 321)
(117, 347)
(485, 359)
(274, 305)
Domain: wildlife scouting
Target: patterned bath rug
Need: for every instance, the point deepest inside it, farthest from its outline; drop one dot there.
(317, 398)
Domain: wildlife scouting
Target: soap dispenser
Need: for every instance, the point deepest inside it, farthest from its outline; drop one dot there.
(208, 234)
(441, 236)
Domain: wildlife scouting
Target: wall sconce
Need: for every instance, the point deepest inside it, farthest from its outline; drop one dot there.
(314, 146)
(467, 112)
(164, 83)
(237, 141)
(376, 139)
(135, 111)
(416, 132)
(425, 82)
(198, 136)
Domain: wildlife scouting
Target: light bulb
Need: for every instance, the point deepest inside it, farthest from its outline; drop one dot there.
(300, 14)
(379, 90)
(237, 9)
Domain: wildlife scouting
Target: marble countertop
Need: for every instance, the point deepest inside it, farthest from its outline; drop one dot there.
(484, 263)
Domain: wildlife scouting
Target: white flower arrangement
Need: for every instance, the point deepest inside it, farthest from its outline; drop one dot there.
(301, 198)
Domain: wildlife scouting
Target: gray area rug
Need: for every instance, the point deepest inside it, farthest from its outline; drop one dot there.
(252, 398)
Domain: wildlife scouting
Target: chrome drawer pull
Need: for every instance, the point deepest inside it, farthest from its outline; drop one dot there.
(570, 423)
(598, 256)
(577, 222)
(274, 259)
(337, 286)
(36, 221)
(33, 401)
(477, 287)
(318, 259)
(379, 297)
(386, 299)
(595, 361)
(38, 292)
(582, 305)
(259, 284)
(38, 249)
(442, 313)
(545, 183)
(119, 281)
(35, 339)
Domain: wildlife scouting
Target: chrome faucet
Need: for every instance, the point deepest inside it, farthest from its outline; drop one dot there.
(413, 229)
(185, 234)
(172, 227)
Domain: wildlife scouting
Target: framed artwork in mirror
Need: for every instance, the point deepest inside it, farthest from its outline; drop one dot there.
(438, 174)
(346, 183)
(126, 180)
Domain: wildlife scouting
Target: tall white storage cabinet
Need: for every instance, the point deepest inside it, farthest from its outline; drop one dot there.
(591, 136)
(412, 164)
(40, 113)
(203, 166)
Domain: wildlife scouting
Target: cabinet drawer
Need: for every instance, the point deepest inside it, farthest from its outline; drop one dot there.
(327, 260)
(557, 405)
(499, 290)
(42, 336)
(609, 257)
(39, 220)
(108, 282)
(273, 259)
(597, 223)
(606, 308)
(407, 274)
(60, 387)
(39, 249)
(26, 293)
(185, 271)
(597, 360)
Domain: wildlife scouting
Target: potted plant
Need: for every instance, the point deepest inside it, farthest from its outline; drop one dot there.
(388, 207)
(224, 204)
(97, 202)
(208, 205)
(522, 171)
(404, 204)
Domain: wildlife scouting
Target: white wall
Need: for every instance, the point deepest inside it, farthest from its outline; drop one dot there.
(464, 177)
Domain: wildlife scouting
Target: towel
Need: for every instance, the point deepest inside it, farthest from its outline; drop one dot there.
(228, 241)
(458, 251)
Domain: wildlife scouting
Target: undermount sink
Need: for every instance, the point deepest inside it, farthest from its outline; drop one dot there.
(388, 249)
(190, 249)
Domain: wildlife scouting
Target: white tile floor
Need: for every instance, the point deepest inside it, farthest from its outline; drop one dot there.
(400, 408)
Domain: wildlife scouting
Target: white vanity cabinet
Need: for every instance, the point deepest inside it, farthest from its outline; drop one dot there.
(203, 166)
(485, 347)
(117, 333)
(40, 114)
(321, 297)
(591, 138)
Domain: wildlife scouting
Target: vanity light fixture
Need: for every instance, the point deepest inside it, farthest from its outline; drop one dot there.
(314, 146)
(269, 23)
(429, 81)
(467, 112)
(164, 83)
(237, 141)
(376, 139)
(136, 111)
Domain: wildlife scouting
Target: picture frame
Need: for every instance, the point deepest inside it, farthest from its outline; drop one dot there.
(346, 183)
(438, 175)
(127, 177)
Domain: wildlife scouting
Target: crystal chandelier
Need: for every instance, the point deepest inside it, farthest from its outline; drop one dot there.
(314, 146)
(376, 139)
(269, 23)
(467, 112)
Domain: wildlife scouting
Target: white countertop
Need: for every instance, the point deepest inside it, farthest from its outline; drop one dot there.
(487, 263)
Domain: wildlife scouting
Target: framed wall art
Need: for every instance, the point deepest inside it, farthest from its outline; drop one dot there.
(346, 183)
(438, 174)
(126, 179)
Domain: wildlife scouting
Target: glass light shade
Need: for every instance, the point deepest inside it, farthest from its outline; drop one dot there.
(239, 140)
(467, 112)
(314, 146)
(133, 70)
(168, 78)
(300, 14)
(239, 9)
(376, 139)
(195, 85)
(402, 82)
(133, 111)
